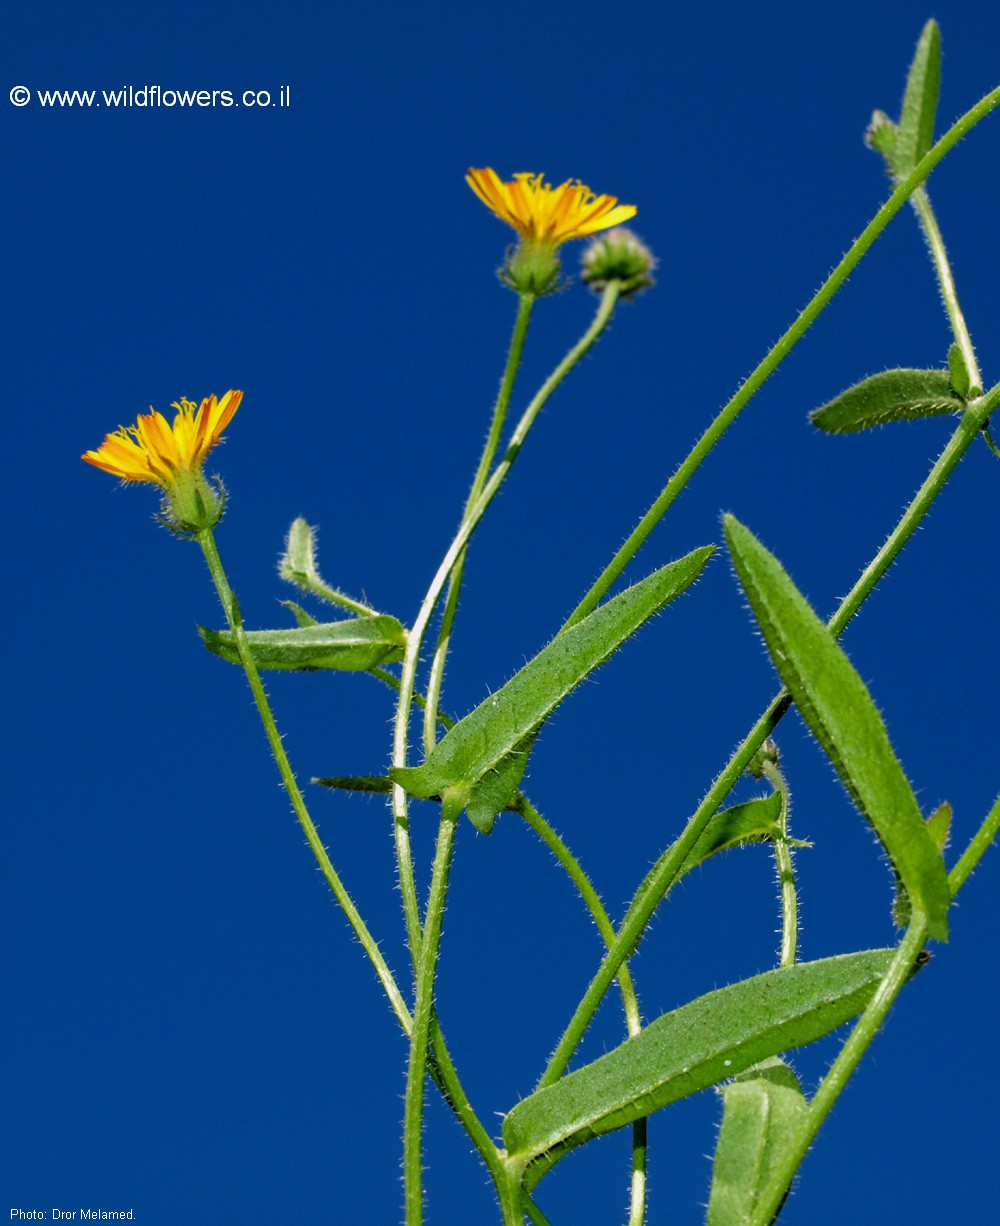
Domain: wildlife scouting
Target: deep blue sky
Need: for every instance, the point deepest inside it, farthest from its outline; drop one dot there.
(190, 1030)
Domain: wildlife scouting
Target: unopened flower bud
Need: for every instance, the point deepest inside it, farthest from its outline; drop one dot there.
(618, 256)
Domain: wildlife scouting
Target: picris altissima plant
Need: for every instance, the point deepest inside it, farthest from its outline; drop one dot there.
(736, 1038)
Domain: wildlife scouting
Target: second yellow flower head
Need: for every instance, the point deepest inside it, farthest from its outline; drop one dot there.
(544, 218)
(541, 213)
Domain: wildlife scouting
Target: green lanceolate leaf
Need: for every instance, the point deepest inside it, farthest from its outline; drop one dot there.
(762, 1111)
(893, 395)
(483, 756)
(839, 711)
(353, 645)
(695, 1046)
(916, 121)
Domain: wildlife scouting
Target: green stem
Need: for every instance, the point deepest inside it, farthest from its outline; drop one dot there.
(317, 587)
(446, 1078)
(969, 426)
(535, 1215)
(865, 1029)
(423, 1012)
(574, 870)
(368, 943)
(436, 677)
(981, 842)
(415, 638)
(932, 233)
(443, 1069)
(630, 1001)
(513, 1203)
(780, 351)
(664, 872)
(991, 442)
(786, 869)
(387, 678)
(577, 875)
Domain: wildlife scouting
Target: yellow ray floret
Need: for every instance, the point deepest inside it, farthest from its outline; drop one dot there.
(541, 213)
(153, 450)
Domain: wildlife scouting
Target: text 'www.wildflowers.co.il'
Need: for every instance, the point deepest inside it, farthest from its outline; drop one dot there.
(151, 97)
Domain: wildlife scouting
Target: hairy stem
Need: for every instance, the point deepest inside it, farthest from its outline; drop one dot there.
(407, 680)
(982, 840)
(785, 868)
(423, 1011)
(436, 677)
(928, 223)
(633, 1019)
(231, 609)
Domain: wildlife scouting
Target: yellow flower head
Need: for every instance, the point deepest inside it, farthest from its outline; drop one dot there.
(153, 450)
(171, 456)
(542, 214)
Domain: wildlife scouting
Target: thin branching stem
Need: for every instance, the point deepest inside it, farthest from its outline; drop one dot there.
(415, 638)
(784, 865)
(231, 609)
(435, 679)
(981, 842)
(630, 1001)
